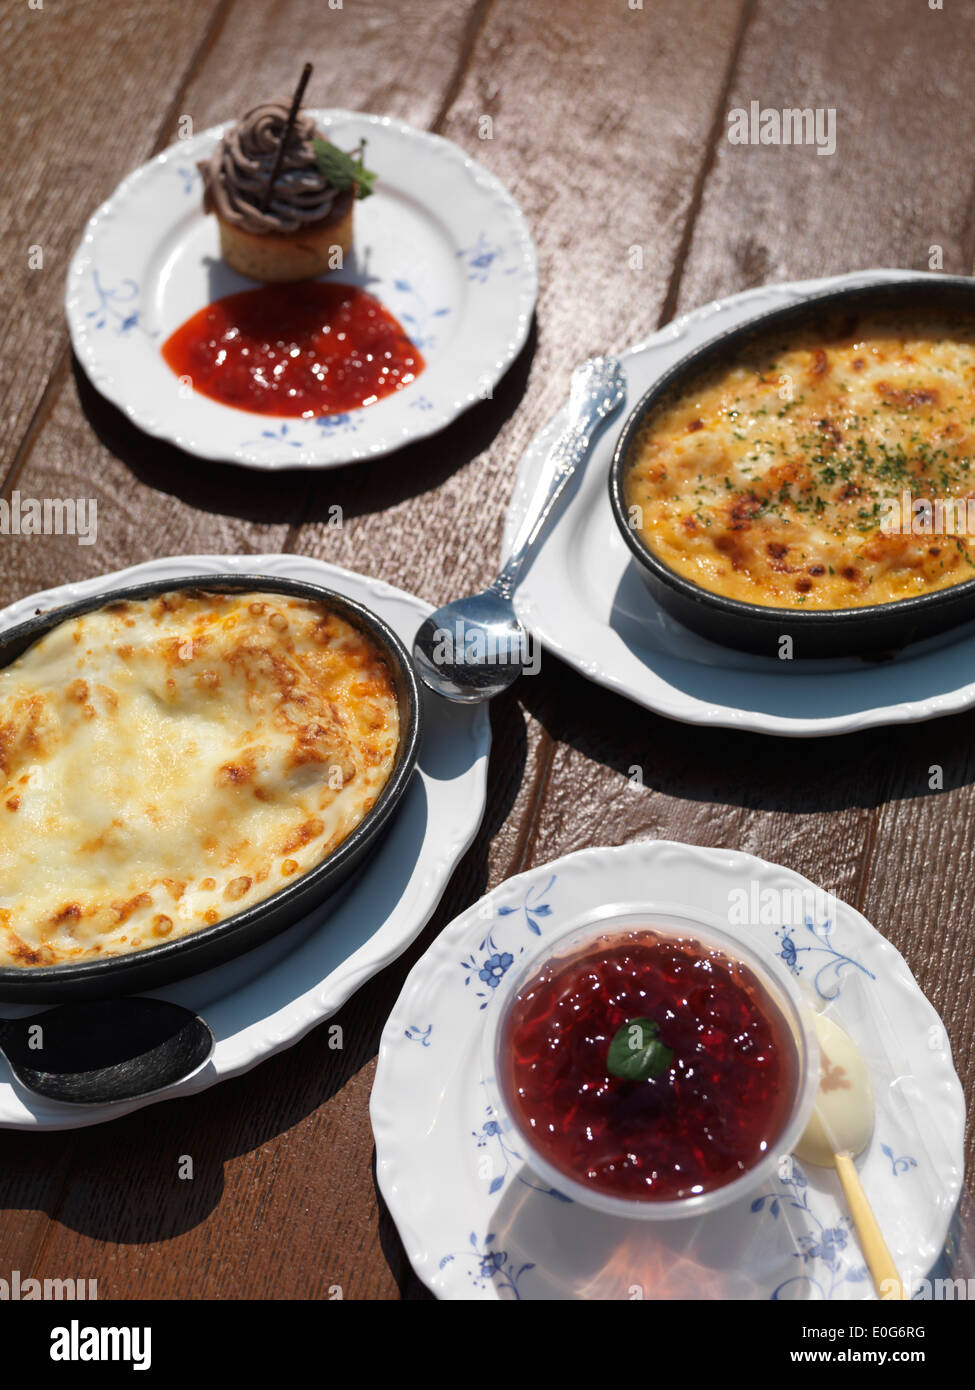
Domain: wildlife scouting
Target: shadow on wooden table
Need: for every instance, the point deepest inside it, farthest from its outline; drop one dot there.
(295, 495)
(698, 764)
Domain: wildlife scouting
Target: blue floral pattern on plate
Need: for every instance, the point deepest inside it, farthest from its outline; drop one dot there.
(898, 1165)
(282, 435)
(190, 177)
(487, 1265)
(491, 1133)
(298, 434)
(483, 259)
(488, 966)
(117, 307)
(343, 423)
(531, 907)
(825, 1252)
(836, 961)
(416, 1034)
(418, 317)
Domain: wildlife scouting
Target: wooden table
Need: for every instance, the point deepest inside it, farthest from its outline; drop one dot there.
(609, 126)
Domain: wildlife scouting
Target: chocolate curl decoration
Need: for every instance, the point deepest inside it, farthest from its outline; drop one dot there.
(286, 134)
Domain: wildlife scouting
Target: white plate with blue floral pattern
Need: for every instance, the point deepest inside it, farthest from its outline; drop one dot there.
(266, 1000)
(478, 1224)
(441, 243)
(584, 600)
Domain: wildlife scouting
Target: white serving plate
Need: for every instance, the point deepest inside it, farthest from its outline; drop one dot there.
(440, 242)
(584, 599)
(477, 1223)
(271, 997)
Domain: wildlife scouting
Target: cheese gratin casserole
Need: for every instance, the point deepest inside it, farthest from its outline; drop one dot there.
(824, 472)
(165, 763)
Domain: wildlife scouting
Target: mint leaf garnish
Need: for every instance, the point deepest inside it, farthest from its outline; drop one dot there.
(341, 169)
(636, 1053)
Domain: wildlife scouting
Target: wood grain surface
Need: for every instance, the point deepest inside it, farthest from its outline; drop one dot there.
(609, 126)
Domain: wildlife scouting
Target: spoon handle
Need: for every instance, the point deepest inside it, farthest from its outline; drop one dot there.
(886, 1280)
(598, 390)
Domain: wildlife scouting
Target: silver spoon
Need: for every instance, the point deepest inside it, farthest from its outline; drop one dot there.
(105, 1050)
(473, 648)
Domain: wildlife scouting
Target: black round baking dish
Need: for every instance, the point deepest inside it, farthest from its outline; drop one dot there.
(870, 631)
(155, 966)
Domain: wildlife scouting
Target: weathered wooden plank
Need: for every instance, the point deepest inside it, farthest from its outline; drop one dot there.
(107, 83)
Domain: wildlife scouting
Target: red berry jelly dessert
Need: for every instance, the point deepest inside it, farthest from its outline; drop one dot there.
(725, 1080)
(307, 349)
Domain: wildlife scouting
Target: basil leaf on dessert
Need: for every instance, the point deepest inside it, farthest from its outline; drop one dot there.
(636, 1053)
(341, 170)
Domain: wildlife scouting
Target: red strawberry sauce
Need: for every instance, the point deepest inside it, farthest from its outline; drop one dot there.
(307, 349)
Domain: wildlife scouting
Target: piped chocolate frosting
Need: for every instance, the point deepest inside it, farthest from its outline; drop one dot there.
(235, 175)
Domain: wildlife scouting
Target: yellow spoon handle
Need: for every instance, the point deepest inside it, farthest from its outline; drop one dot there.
(886, 1280)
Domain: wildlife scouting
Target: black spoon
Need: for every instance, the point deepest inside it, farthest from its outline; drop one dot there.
(105, 1050)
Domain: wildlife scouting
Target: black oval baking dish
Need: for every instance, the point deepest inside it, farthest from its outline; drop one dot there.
(154, 966)
(869, 631)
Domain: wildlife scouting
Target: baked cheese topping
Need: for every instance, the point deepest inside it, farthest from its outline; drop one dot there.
(166, 763)
(820, 473)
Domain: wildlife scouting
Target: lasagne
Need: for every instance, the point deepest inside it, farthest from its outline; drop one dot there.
(823, 472)
(166, 763)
